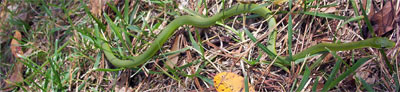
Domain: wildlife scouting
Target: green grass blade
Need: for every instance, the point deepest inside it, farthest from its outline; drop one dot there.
(270, 53)
(207, 80)
(369, 25)
(325, 15)
(357, 18)
(293, 85)
(30, 64)
(175, 52)
(112, 6)
(318, 61)
(272, 38)
(197, 33)
(290, 37)
(334, 71)
(126, 11)
(314, 88)
(366, 85)
(387, 62)
(354, 5)
(54, 69)
(195, 44)
(117, 31)
(87, 11)
(277, 64)
(304, 80)
(97, 62)
(349, 71)
(45, 8)
(246, 84)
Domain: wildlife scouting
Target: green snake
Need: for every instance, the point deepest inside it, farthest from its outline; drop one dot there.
(203, 22)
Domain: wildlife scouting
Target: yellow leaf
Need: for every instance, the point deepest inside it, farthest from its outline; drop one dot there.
(230, 82)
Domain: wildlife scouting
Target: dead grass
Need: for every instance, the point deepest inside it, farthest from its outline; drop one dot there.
(51, 27)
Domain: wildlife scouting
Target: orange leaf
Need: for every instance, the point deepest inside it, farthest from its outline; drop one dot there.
(230, 82)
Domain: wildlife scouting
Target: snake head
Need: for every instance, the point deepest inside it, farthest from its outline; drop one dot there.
(382, 42)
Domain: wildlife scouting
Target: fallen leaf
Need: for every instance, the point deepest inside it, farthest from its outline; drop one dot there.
(16, 75)
(230, 82)
(367, 75)
(173, 59)
(97, 6)
(15, 46)
(382, 21)
(328, 10)
(371, 8)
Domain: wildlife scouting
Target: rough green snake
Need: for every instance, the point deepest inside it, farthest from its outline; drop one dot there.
(198, 21)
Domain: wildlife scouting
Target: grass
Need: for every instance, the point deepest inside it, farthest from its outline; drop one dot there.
(62, 53)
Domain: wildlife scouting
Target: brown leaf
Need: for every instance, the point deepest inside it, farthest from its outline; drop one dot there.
(371, 8)
(16, 75)
(328, 10)
(364, 4)
(383, 19)
(173, 59)
(15, 46)
(97, 6)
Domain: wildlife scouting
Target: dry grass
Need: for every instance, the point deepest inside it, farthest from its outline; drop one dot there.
(74, 67)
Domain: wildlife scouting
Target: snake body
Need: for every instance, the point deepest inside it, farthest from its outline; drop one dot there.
(376, 42)
(202, 22)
